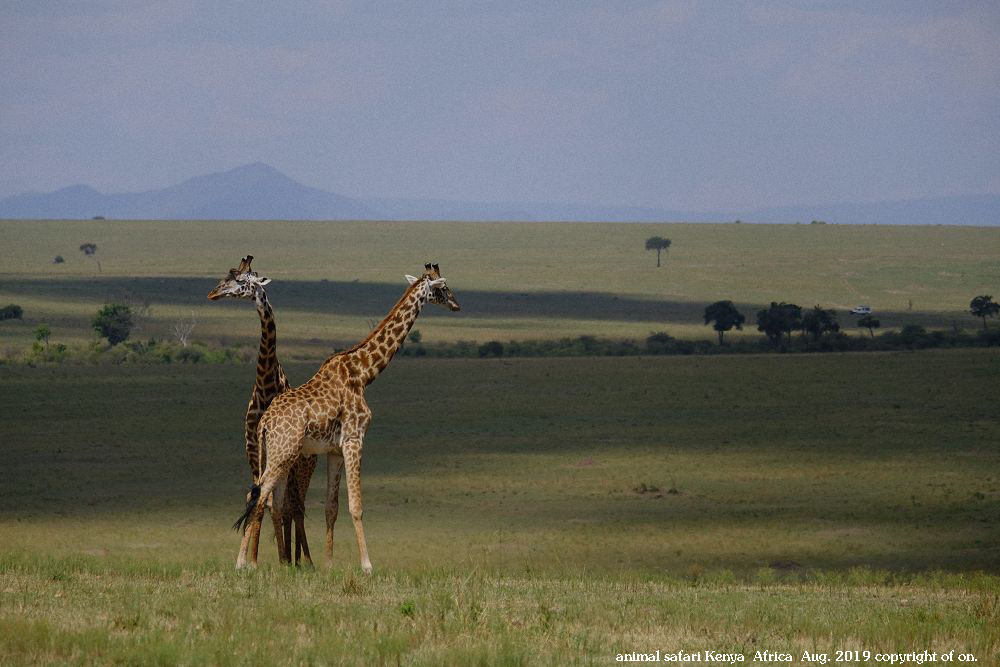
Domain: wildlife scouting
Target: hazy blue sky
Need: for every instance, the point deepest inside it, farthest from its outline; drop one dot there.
(670, 104)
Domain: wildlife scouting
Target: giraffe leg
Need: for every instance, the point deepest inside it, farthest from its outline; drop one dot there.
(279, 514)
(352, 461)
(335, 466)
(306, 466)
(268, 482)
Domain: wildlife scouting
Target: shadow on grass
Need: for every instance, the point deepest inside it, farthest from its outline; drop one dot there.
(372, 300)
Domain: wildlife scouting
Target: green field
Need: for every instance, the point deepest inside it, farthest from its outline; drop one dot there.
(515, 280)
(518, 512)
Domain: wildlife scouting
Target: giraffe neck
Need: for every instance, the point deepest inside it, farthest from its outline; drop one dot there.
(373, 354)
(269, 374)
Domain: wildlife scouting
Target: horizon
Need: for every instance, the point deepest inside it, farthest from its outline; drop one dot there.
(462, 201)
(665, 105)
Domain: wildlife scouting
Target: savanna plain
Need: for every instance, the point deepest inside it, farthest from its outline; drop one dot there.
(518, 511)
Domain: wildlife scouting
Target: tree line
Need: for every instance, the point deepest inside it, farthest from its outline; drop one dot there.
(779, 320)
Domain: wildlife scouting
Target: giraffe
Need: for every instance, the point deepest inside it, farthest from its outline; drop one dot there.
(329, 415)
(243, 283)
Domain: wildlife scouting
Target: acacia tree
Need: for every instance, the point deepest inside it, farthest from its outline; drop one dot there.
(779, 319)
(90, 250)
(657, 243)
(725, 317)
(818, 321)
(869, 322)
(983, 306)
(114, 322)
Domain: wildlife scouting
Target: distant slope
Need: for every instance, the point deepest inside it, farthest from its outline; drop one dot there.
(260, 192)
(251, 192)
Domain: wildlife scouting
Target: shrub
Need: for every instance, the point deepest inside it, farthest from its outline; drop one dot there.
(114, 322)
(913, 335)
(190, 355)
(659, 343)
(11, 312)
(491, 349)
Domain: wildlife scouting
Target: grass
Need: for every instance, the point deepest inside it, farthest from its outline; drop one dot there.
(517, 512)
(515, 280)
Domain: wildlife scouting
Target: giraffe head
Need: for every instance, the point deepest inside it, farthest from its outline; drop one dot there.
(241, 283)
(437, 291)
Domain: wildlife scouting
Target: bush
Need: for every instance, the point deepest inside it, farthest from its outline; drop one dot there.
(659, 343)
(11, 312)
(491, 349)
(913, 335)
(114, 322)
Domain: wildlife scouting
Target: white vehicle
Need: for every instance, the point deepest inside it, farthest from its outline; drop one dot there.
(861, 310)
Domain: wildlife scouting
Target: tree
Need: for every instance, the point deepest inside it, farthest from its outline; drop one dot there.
(725, 316)
(779, 319)
(90, 250)
(491, 349)
(42, 334)
(114, 322)
(183, 330)
(983, 306)
(11, 311)
(657, 243)
(818, 321)
(869, 322)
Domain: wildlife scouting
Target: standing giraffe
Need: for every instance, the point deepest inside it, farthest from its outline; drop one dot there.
(243, 283)
(329, 415)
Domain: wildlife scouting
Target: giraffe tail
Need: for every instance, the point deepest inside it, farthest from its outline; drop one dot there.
(241, 524)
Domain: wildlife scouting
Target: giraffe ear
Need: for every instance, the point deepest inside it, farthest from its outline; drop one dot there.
(437, 283)
(264, 281)
(411, 279)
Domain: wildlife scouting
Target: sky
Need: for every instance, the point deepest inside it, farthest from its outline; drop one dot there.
(681, 104)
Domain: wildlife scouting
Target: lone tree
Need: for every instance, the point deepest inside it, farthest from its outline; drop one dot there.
(657, 243)
(90, 250)
(114, 322)
(818, 321)
(869, 322)
(779, 319)
(983, 306)
(725, 317)
(42, 334)
(183, 330)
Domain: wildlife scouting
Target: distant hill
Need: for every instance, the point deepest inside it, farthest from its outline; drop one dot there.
(254, 191)
(260, 192)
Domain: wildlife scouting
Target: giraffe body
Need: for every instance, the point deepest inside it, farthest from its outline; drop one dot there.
(328, 415)
(270, 381)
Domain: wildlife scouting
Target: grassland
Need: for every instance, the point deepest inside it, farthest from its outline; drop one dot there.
(822, 502)
(515, 280)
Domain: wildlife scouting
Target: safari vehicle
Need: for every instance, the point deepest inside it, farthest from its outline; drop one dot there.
(861, 310)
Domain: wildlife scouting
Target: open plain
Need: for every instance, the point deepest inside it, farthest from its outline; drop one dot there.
(518, 512)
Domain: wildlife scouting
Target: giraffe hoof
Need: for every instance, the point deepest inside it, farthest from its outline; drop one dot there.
(367, 569)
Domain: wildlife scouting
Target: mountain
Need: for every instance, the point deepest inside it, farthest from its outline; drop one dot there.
(259, 192)
(254, 191)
